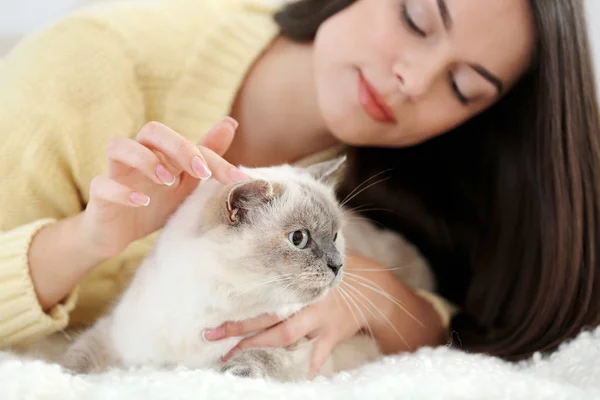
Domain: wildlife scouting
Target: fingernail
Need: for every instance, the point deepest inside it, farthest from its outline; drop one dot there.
(232, 121)
(200, 168)
(139, 198)
(237, 175)
(213, 334)
(164, 175)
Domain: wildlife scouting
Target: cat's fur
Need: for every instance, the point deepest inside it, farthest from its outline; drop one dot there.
(226, 255)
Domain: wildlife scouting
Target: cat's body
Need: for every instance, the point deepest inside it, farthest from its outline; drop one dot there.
(233, 252)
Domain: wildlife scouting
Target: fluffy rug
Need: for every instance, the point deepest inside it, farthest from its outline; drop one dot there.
(572, 372)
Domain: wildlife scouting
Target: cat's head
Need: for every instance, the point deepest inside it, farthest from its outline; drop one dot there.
(285, 224)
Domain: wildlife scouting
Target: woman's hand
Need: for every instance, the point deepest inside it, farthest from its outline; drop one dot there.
(147, 179)
(330, 321)
(370, 299)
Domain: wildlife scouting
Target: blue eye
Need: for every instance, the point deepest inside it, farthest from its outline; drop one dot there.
(299, 238)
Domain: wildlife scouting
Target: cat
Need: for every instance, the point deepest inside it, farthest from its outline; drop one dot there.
(272, 244)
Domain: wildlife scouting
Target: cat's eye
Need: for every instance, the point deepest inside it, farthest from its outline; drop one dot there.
(335, 237)
(299, 238)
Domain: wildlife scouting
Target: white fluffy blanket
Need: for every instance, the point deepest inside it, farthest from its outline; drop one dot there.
(573, 372)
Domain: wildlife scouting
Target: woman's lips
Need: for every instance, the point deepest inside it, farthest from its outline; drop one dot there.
(373, 103)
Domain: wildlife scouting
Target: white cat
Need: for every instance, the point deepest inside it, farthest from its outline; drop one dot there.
(273, 244)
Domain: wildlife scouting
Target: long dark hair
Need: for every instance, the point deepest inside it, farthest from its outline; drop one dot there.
(506, 207)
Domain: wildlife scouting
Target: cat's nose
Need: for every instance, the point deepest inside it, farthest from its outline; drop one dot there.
(335, 267)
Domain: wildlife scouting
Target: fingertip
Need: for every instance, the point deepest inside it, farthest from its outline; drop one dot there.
(313, 370)
(200, 168)
(229, 354)
(320, 352)
(139, 199)
(232, 122)
(211, 334)
(237, 175)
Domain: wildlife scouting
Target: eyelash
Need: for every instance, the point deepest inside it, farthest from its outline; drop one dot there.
(413, 27)
(457, 92)
(411, 24)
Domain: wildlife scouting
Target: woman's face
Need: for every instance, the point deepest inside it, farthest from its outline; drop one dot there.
(397, 72)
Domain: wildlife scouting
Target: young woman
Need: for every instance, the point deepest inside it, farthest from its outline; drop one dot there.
(482, 113)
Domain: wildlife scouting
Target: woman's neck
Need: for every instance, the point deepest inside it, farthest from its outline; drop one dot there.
(280, 120)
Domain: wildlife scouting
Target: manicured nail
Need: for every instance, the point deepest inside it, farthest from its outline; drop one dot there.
(200, 168)
(139, 198)
(232, 121)
(164, 175)
(237, 175)
(213, 334)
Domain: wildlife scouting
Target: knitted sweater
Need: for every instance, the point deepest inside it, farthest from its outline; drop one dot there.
(68, 89)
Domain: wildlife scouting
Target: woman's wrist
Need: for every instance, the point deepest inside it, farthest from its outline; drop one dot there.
(85, 247)
(59, 257)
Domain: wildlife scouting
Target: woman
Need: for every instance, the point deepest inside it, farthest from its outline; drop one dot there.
(485, 112)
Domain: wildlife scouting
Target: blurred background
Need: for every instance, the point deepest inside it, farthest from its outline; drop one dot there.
(18, 17)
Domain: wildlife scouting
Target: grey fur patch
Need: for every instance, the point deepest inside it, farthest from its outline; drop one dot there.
(89, 354)
(274, 363)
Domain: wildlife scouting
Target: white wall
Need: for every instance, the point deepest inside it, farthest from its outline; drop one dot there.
(593, 14)
(18, 17)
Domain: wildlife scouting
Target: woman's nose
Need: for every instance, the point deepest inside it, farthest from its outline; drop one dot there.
(414, 82)
(416, 77)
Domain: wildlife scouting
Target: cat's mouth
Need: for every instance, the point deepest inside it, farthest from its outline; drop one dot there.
(312, 291)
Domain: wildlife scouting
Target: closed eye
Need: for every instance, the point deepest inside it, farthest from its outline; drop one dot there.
(461, 97)
(411, 23)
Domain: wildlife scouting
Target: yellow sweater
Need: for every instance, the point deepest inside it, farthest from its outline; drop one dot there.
(66, 90)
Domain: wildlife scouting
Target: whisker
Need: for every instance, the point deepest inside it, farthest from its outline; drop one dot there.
(377, 269)
(282, 290)
(363, 189)
(363, 183)
(358, 208)
(362, 210)
(383, 316)
(358, 218)
(283, 278)
(349, 286)
(356, 300)
(343, 293)
(375, 288)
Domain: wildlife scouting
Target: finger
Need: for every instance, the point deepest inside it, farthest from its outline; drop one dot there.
(105, 189)
(179, 150)
(322, 348)
(135, 155)
(223, 171)
(284, 334)
(220, 137)
(241, 328)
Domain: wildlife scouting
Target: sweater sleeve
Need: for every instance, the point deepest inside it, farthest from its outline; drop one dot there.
(64, 92)
(443, 307)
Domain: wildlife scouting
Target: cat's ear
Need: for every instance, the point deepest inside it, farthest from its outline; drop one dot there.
(327, 171)
(246, 196)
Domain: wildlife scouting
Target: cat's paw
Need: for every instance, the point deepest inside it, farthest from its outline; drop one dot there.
(244, 370)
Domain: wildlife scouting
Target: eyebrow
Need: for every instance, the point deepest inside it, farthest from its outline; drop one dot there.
(447, 19)
(445, 14)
